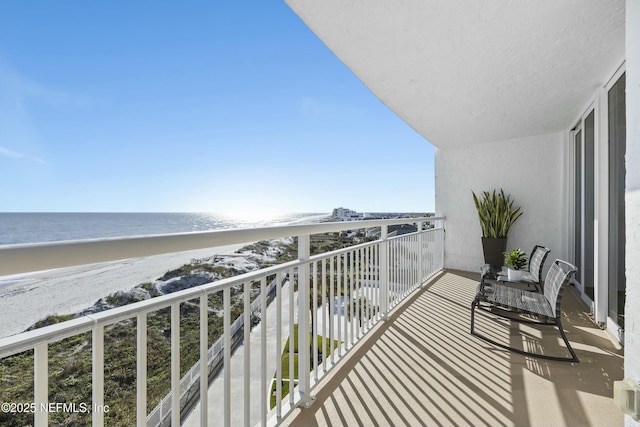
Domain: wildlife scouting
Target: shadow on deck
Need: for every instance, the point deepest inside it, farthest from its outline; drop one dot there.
(422, 367)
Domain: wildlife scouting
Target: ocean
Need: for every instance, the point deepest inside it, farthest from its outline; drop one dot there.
(48, 227)
(27, 298)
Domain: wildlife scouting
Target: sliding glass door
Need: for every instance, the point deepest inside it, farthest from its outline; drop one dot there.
(617, 149)
(601, 154)
(584, 139)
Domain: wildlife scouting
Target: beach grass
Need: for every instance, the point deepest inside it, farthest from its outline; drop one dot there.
(70, 367)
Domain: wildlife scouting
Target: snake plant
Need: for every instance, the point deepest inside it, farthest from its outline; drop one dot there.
(496, 213)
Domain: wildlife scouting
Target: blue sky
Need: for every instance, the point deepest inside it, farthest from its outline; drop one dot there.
(192, 107)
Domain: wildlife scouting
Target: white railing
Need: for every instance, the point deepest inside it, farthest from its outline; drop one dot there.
(336, 298)
(190, 380)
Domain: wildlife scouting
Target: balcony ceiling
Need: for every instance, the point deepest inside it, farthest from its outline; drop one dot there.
(469, 71)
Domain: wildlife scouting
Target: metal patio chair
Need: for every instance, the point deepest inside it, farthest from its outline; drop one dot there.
(533, 273)
(524, 306)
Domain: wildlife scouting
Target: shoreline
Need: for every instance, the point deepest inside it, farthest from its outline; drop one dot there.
(29, 297)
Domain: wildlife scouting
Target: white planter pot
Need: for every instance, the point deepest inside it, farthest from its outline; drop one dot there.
(514, 275)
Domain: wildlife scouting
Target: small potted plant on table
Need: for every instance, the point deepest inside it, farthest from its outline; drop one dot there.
(515, 260)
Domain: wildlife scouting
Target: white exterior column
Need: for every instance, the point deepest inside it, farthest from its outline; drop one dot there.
(632, 199)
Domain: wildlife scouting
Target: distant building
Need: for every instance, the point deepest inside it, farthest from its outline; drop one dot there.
(344, 214)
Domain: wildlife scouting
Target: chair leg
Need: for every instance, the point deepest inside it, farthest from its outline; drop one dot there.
(474, 304)
(573, 358)
(566, 341)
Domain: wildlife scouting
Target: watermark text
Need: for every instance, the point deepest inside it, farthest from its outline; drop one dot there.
(51, 407)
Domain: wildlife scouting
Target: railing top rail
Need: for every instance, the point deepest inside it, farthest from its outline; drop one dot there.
(24, 258)
(364, 245)
(27, 340)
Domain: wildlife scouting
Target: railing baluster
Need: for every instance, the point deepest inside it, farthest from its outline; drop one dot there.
(441, 243)
(357, 287)
(324, 315)
(414, 262)
(352, 313)
(204, 360)
(362, 291)
(264, 408)
(409, 251)
(304, 348)
(332, 307)
(247, 353)
(292, 341)
(406, 257)
(420, 237)
(278, 355)
(384, 272)
(371, 263)
(393, 267)
(376, 279)
(401, 269)
(358, 292)
(352, 298)
(355, 295)
(341, 306)
(402, 260)
(41, 384)
(314, 314)
(141, 370)
(372, 289)
(226, 296)
(414, 265)
(418, 258)
(366, 283)
(347, 301)
(175, 364)
(97, 376)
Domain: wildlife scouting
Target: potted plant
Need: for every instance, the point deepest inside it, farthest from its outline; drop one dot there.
(515, 260)
(496, 214)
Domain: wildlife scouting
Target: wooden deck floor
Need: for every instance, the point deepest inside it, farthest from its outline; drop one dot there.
(422, 367)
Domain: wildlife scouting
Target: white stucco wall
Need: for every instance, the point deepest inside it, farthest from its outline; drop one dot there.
(529, 169)
(632, 309)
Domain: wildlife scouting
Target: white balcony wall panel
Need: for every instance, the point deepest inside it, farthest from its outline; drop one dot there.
(529, 169)
(632, 199)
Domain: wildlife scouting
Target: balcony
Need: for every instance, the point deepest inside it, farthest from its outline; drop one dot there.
(401, 352)
(422, 367)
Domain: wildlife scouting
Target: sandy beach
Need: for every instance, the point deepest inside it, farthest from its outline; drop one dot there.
(27, 298)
